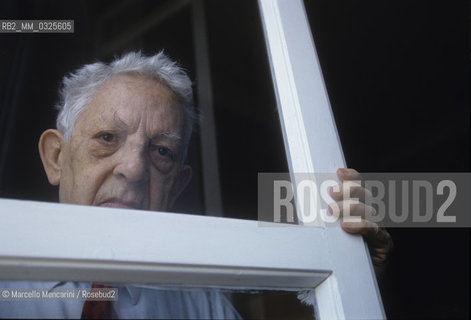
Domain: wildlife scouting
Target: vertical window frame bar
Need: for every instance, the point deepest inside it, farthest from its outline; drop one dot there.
(313, 146)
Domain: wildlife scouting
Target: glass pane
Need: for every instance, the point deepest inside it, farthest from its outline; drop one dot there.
(248, 135)
(248, 127)
(66, 299)
(35, 64)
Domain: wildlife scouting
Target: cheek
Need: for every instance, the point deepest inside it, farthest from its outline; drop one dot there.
(160, 189)
(87, 176)
(67, 184)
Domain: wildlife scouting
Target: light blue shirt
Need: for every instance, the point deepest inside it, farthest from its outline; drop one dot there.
(133, 302)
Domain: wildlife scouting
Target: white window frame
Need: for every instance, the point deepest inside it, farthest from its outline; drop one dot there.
(47, 241)
(312, 145)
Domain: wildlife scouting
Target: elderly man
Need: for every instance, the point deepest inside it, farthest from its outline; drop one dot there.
(122, 136)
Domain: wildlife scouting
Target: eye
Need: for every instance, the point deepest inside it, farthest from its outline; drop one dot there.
(107, 137)
(163, 151)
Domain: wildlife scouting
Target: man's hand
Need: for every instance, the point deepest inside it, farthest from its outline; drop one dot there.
(378, 239)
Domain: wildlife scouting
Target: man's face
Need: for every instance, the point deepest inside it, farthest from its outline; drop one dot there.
(125, 149)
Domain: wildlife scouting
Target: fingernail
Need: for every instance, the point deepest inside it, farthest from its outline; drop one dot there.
(334, 208)
(349, 224)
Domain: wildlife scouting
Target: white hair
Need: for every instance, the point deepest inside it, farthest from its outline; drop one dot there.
(79, 87)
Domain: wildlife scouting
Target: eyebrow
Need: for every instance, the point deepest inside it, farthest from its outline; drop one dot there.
(169, 135)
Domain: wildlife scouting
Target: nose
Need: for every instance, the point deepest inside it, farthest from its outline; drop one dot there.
(132, 165)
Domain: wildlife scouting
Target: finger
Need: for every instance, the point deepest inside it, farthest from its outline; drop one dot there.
(351, 207)
(379, 240)
(353, 188)
(363, 227)
(345, 174)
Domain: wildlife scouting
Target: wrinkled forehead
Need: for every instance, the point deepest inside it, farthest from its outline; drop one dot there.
(131, 99)
(133, 87)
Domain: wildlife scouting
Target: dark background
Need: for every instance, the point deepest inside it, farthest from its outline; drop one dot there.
(397, 73)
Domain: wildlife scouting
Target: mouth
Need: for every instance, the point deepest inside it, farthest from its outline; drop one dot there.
(121, 204)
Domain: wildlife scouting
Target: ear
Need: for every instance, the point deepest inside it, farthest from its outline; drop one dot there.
(182, 180)
(50, 146)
